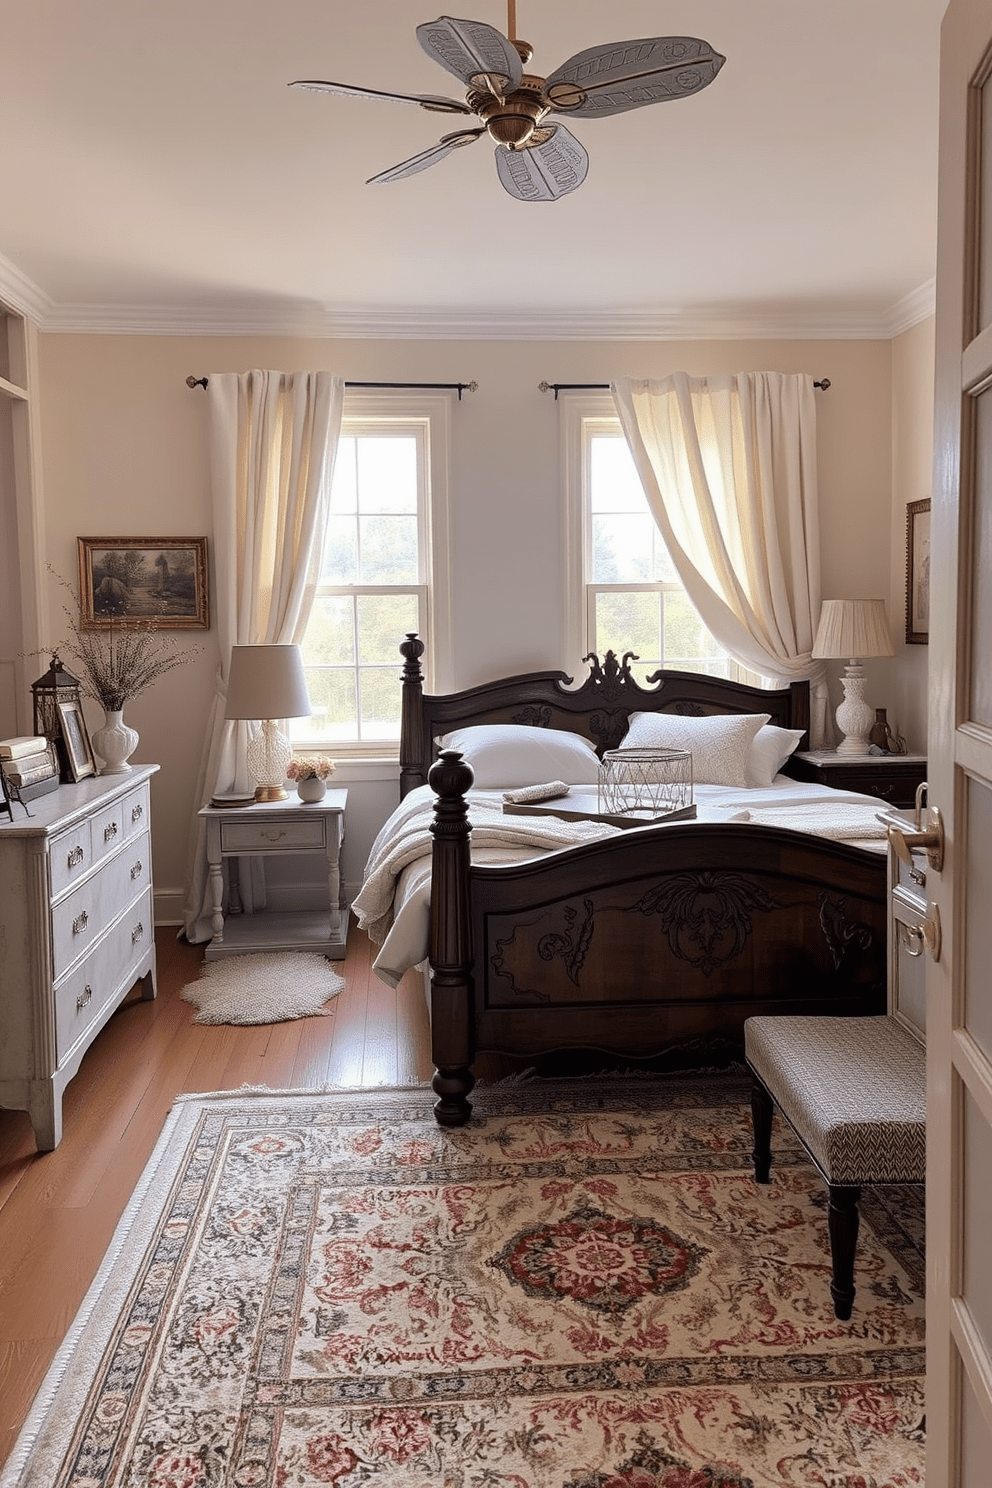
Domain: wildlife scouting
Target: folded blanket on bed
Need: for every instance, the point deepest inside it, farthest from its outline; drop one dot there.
(373, 906)
(845, 821)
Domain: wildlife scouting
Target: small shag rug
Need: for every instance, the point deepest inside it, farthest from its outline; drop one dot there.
(583, 1288)
(263, 987)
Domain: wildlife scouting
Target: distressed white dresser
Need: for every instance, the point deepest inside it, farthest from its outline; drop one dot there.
(76, 933)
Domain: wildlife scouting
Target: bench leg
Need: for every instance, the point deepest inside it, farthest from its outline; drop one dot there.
(762, 1110)
(842, 1220)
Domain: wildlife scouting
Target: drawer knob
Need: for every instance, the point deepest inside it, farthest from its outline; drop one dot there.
(84, 997)
(75, 857)
(136, 870)
(80, 922)
(137, 812)
(110, 831)
(137, 933)
(273, 836)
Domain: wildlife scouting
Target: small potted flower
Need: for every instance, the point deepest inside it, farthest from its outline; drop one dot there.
(310, 773)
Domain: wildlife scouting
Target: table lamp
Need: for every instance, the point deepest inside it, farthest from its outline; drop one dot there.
(853, 628)
(266, 683)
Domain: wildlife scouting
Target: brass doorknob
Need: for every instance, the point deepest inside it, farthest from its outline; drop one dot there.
(930, 838)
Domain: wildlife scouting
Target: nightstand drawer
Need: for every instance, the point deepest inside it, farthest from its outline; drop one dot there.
(893, 778)
(278, 835)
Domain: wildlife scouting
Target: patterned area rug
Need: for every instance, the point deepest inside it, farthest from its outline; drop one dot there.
(582, 1289)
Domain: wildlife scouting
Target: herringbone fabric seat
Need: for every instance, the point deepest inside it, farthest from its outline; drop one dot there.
(854, 1092)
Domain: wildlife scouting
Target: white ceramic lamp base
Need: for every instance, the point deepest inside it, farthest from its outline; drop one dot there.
(854, 716)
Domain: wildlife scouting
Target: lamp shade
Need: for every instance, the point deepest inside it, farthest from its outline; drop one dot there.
(852, 628)
(267, 682)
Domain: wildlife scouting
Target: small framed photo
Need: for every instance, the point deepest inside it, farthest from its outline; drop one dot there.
(78, 752)
(918, 573)
(127, 581)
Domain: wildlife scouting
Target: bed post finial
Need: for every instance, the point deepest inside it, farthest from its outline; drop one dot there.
(415, 747)
(452, 1037)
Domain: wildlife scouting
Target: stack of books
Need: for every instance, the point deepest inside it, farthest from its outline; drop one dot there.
(29, 762)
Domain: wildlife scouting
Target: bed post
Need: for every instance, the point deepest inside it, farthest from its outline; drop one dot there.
(452, 1034)
(414, 747)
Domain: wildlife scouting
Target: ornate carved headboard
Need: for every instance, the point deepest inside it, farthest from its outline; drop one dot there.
(599, 709)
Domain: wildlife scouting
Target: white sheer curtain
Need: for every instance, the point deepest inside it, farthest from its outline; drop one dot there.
(273, 440)
(728, 464)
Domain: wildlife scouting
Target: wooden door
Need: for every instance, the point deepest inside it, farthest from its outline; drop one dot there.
(959, 983)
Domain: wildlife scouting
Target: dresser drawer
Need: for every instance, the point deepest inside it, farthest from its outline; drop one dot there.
(80, 917)
(137, 811)
(70, 856)
(82, 995)
(107, 830)
(278, 835)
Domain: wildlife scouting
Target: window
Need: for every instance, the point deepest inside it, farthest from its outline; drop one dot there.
(379, 574)
(629, 597)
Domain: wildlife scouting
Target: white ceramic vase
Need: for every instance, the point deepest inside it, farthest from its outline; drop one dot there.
(115, 742)
(311, 789)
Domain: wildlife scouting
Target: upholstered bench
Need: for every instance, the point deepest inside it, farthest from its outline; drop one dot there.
(854, 1092)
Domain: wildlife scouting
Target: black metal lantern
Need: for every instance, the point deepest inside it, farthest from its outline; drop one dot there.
(55, 687)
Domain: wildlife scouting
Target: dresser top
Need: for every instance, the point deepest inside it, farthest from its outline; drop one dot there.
(71, 803)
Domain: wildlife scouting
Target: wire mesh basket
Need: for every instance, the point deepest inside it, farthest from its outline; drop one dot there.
(650, 782)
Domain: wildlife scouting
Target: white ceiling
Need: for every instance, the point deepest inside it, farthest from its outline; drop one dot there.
(156, 173)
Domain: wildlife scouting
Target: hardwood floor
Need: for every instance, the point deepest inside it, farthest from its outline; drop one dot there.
(58, 1210)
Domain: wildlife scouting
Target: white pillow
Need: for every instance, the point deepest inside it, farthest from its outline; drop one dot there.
(507, 755)
(769, 752)
(720, 744)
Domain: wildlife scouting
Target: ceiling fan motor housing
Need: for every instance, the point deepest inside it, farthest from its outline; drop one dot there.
(512, 119)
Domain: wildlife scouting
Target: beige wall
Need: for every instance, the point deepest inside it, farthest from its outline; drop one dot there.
(912, 461)
(125, 451)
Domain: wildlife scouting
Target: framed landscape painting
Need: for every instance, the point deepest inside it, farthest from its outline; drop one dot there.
(918, 573)
(130, 580)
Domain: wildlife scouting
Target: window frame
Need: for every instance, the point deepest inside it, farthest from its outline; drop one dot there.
(429, 413)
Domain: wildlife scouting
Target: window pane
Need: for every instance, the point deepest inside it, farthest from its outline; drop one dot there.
(387, 474)
(687, 641)
(389, 550)
(629, 622)
(622, 548)
(344, 485)
(383, 620)
(380, 693)
(616, 486)
(330, 635)
(334, 703)
(340, 565)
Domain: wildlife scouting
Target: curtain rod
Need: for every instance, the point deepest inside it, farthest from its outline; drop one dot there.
(604, 387)
(462, 387)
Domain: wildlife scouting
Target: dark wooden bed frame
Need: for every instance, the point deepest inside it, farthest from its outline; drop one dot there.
(655, 942)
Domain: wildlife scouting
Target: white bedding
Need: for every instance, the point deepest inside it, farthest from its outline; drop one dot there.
(393, 904)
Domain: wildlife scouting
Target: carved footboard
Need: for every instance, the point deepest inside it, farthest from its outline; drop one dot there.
(653, 942)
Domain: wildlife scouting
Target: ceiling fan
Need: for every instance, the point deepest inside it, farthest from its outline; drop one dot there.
(538, 160)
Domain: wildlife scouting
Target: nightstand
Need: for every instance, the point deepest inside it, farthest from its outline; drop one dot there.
(891, 777)
(265, 829)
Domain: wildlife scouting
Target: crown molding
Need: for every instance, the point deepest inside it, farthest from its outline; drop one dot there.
(913, 308)
(19, 293)
(715, 323)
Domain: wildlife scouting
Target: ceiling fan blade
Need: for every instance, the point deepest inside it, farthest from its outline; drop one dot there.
(624, 75)
(436, 105)
(427, 157)
(546, 171)
(474, 51)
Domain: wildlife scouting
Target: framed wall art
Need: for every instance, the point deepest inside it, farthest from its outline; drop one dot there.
(131, 580)
(78, 753)
(918, 573)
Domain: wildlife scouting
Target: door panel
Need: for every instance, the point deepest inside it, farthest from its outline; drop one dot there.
(977, 1012)
(959, 985)
(981, 563)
